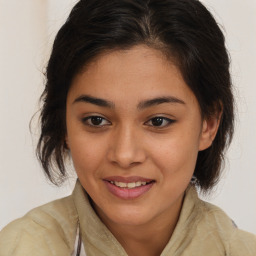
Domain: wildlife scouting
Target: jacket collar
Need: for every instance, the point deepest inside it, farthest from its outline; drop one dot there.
(98, 240)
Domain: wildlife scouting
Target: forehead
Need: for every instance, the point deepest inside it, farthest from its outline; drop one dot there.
(140, 60)
(131, 75)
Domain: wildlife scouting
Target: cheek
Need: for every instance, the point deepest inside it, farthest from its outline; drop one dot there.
(87, 155)
(177, 153)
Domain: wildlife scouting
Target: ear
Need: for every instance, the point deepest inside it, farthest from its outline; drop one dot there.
(66, 142)
(209, 130)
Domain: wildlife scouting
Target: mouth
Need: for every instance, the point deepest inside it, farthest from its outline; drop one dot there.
(128, 187)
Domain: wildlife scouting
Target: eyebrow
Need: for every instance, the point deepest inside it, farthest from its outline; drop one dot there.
(95, 101)
(159, 100)
(142, 105)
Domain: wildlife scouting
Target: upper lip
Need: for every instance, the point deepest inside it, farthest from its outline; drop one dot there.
(127, 179)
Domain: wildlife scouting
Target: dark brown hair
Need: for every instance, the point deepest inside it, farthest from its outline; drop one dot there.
(182, 29)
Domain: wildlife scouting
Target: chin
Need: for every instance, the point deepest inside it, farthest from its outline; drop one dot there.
(129, 217)
(128, 221)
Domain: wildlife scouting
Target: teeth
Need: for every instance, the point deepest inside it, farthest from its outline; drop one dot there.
(121, 184)
(131, 185)
(128, 185)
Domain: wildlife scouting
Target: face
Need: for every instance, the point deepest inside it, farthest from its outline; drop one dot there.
(134, 130)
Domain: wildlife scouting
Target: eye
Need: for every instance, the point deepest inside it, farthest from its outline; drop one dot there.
(95, 121)
(160, 122)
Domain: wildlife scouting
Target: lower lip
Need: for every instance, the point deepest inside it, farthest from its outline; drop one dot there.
(128, 193)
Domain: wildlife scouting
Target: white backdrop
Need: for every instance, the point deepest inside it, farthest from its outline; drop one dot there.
(27, 28)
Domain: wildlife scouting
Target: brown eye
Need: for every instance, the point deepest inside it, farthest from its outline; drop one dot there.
(95, 121)
(157, 121)
(160, 122)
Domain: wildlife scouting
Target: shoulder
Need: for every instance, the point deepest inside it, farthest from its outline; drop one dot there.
(220, 227)
(47, 230)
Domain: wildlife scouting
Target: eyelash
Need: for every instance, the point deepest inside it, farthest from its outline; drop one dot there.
(163, 119)
(86, 121)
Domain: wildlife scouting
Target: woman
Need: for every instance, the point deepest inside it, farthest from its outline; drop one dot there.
(139, 96)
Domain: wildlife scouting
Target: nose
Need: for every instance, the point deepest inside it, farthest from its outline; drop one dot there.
(126, 148)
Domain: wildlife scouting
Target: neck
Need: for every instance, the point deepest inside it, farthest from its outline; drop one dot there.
(143, 240)
(148, 238)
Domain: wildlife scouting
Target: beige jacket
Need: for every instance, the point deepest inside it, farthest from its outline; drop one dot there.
(51, 230)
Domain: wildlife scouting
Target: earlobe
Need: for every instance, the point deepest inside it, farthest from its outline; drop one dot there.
(66, 143)
(209, 130)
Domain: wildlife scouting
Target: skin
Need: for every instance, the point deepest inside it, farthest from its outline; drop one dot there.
(126, 142)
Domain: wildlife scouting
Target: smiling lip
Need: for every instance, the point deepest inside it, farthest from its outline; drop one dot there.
(125, 192)
(127, 179)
